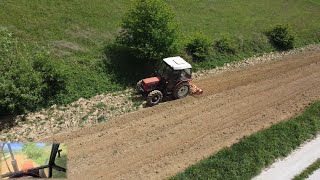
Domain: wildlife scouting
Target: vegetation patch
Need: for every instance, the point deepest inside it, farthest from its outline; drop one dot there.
(101, 119)
(307, 172)
(199, 47)
(39, 155)
(247, 158)
(225, 45)
(281, 37)
(149, 30)
(29, 79)
(62, 162)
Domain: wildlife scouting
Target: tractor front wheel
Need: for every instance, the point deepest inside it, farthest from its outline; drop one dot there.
(181, 90)
(154, 97)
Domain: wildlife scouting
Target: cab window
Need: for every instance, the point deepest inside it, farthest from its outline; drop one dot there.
(186, 73)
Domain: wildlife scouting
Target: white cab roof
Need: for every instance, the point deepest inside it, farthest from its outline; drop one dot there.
(177, 63)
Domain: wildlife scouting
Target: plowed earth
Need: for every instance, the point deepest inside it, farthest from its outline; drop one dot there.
(158, 142)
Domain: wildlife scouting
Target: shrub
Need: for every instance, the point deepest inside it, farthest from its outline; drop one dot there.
(20, 85)
(32, 151)
(225, 45)
(281, 37)
(28, 80)
(53, 79)
(149, 30)
(198, 47)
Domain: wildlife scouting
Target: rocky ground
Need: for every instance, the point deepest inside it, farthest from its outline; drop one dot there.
(101, 108)
(83, 112)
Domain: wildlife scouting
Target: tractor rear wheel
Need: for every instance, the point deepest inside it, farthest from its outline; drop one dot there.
(181, 90)
(154, 97)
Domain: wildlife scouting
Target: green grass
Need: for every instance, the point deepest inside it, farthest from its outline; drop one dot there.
(76, 31)
(308, 171)
(41, 156)
(249, 156)
(62, 162)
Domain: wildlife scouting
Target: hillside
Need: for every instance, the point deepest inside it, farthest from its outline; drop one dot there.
(76, 31)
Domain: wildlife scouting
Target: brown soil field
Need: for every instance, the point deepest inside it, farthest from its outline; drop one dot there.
(158, 142)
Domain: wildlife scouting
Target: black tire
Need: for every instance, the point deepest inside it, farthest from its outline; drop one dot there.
(181, 90)
(154, 97)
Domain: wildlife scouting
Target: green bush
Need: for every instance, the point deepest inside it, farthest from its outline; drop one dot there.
(281, 37)
(149, 30)
(53, 79)
(32, 151)
(225, 45)
(28, 80)
(198, 47)
(20, 85)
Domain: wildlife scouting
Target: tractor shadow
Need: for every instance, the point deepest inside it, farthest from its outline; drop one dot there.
(139, 100)
(7, 122)
(126, 70)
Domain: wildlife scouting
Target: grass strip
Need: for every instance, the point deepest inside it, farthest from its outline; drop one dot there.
(247, 158)
(308, 171)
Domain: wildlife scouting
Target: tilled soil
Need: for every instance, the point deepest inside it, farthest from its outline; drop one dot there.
(158, 142)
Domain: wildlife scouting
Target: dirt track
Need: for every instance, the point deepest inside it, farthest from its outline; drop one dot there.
(158, 142)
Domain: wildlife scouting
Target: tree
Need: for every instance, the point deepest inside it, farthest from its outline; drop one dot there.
(149, 30)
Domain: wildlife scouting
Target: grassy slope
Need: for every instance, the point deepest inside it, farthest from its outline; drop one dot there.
(248, 157)
(247, 18)
(76, 30)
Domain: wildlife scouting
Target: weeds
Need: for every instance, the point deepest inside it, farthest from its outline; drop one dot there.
(100, 105)
(101, 119)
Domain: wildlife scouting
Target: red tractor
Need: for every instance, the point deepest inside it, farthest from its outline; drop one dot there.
(172, 78)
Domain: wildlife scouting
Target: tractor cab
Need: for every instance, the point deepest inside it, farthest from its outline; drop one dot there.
(174, 67)
(172, 78)
(173, 70)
